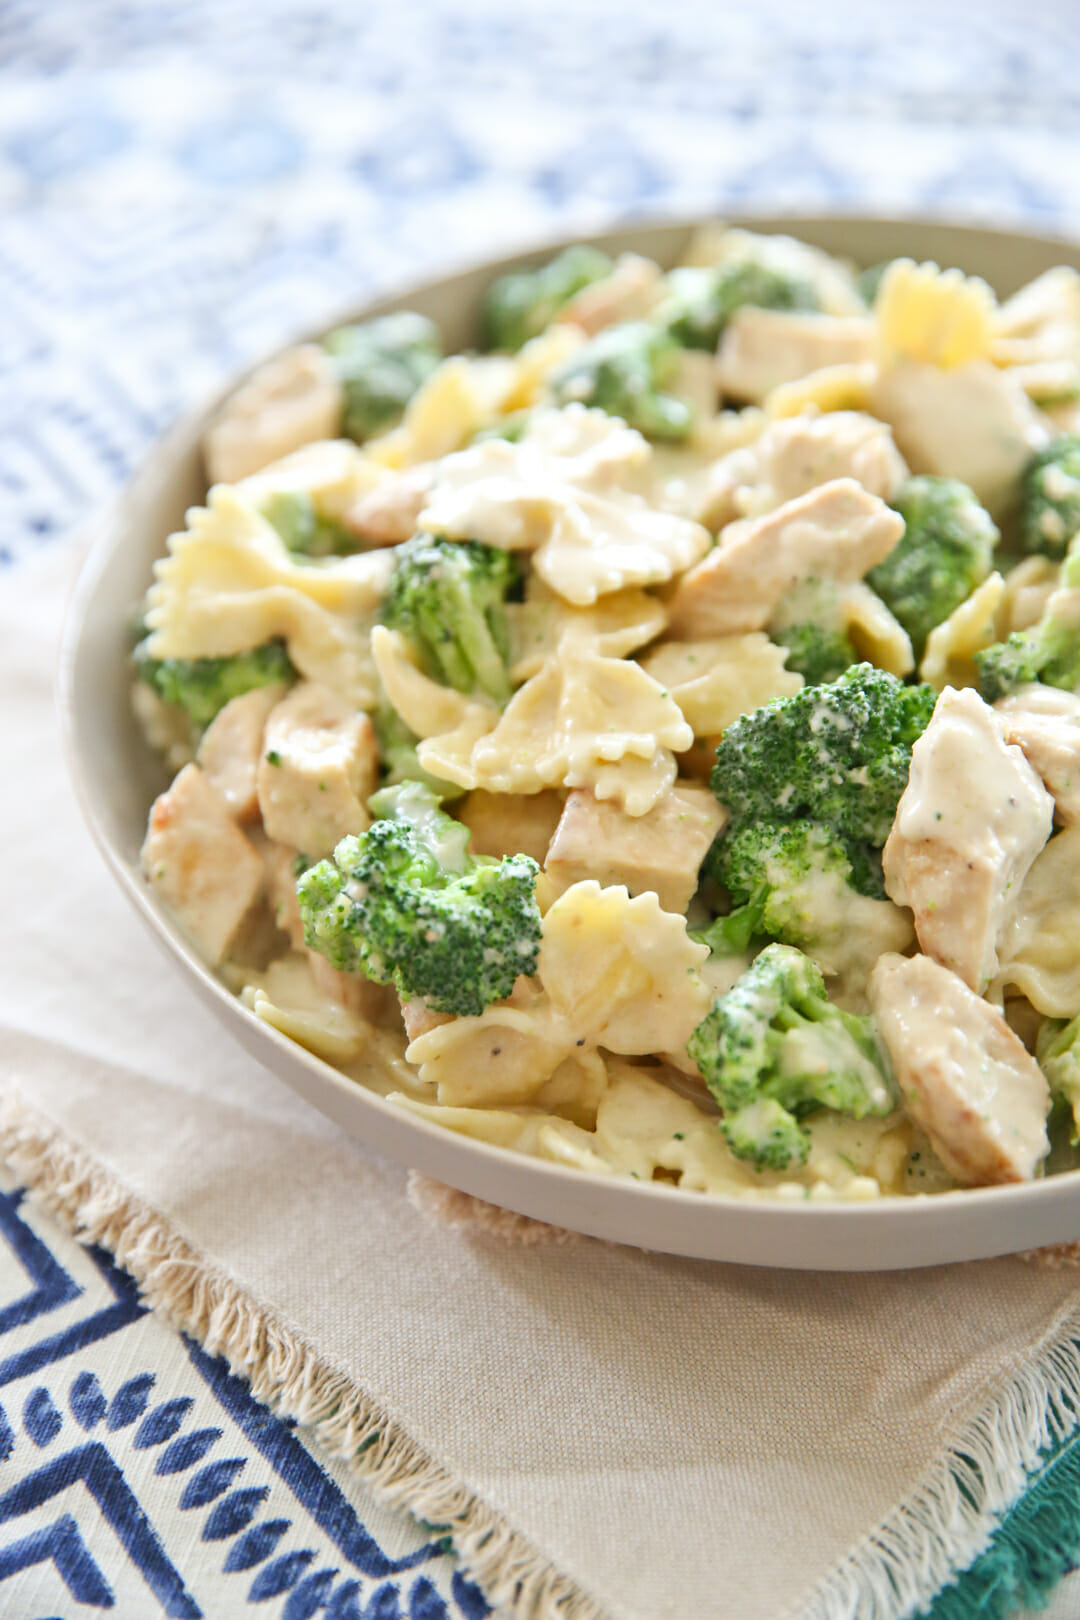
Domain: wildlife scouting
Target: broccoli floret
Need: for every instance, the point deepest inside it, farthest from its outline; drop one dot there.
(623, 370)
(292, 512)
(203, 686)
(449, 599)
(520, 306)
(1050, 497)
(775, 1049)
(1058, 1052)
(1049, 652)
(816, 653)
(765, 1133)
(405, 903)
(946, 550)
(397, 752)
(781, 877)
(809, 621)
(837, 754)
(700, 301)
(381, 364)
(1007, 665)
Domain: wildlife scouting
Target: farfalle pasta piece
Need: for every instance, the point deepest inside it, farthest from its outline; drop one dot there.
(949, 659)
(932, 316)
(428, 708)
(622, 972)
(335, 473)
(287, 998)
(617, 625)
(460, 397)
(643, 1126)
(560, 493)
(1037, 952)
(874, 631)
(229, 584)
(1028, 588)
(615, 973)
(833, 388)
(582, 721)
(295, 399)
(502, 1057)
(1037, 336)
(538, 361)
(714, 682)
(541, 1135)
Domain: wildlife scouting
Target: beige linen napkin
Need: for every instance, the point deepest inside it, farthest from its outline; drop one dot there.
(607, 1432)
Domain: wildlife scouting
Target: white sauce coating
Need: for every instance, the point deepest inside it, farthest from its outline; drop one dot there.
(599, 763)
(971, 821)
(965, 1077)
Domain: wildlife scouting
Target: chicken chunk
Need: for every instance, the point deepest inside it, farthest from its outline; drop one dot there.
(419, 1018)
(318, 768)
(762, 348)
(230, 748)
(295, 399)
(965, 1077)
(359, 995)
(837, 531)
(974, 423)
(797, 454)
(511, 823)
(200, 864)
(660, 852)
(1044, 722)
(630, 293)
(971, 821)
(389, 513)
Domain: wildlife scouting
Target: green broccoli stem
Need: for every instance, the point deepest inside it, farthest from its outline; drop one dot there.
(448, 599)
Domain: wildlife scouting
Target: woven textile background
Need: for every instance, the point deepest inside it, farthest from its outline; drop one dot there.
(181, 186)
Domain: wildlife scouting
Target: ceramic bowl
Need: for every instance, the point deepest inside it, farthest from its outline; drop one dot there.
(116, 777)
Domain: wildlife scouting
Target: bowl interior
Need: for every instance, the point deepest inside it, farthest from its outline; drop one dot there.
(116, 776)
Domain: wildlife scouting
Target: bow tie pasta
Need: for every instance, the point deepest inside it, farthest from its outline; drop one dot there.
(652, 742)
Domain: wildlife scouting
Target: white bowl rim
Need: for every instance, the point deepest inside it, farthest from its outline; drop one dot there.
(802, 1234)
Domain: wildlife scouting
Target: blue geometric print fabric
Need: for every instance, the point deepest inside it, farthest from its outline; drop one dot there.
(138, 1476)
(183, 185)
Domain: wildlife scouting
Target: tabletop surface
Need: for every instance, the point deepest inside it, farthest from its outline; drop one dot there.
(180, 188)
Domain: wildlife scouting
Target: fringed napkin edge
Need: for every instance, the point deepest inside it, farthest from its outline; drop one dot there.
(284, 1371)
(924, 1547)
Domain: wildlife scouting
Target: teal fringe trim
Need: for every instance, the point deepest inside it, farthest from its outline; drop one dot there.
(1036, 1545)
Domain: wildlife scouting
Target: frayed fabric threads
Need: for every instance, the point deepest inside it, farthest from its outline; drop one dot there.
(283, 1371)
(938, 1533)
(926, 1543)
(1056, 1257)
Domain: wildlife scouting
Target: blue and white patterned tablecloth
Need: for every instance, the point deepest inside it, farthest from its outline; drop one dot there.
(180, 186)
(137, 1475)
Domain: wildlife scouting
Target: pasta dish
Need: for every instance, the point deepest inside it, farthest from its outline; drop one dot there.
(651, 740)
